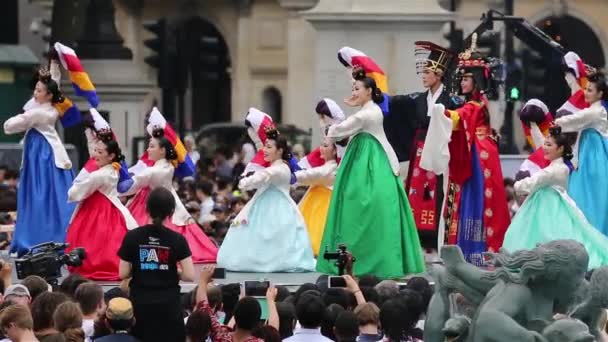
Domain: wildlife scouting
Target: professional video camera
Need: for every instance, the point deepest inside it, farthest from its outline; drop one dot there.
(341, 256)
(45, 260)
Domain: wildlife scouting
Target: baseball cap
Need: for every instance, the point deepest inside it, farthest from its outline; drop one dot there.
(17, 290)
(119, 309)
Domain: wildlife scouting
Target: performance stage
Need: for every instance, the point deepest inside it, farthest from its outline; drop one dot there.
(291, 280)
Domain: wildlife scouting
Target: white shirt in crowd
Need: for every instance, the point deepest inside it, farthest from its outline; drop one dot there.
(307, 335)
(206, 208)
(194, 156)
(88, 326)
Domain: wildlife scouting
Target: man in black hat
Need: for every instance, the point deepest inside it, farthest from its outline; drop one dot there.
(408, 121)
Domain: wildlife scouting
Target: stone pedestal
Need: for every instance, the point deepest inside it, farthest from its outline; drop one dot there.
(126, 92)
(385, 30)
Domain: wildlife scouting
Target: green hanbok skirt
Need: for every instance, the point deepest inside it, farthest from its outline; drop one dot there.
(370, 213)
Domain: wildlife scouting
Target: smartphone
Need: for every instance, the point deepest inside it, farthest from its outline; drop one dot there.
(219, 273)
(336, 282)
(256, 288)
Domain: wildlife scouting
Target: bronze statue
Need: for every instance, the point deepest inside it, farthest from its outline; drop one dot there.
(516, 299)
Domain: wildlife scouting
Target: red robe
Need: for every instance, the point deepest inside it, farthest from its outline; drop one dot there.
(473, 127)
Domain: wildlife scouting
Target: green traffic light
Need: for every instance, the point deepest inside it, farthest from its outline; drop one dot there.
(514, 93)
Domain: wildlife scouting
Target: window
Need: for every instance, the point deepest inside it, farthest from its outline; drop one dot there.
(272, 103)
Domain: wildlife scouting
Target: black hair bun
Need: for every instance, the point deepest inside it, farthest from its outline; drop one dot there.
(555, 130)
(158, 132)
(342, 142)
(358, 73)
(105, 135)
(377, 96)
(272, 133)
(171, 154)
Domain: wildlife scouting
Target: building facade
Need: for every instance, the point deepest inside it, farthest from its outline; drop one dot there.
(282, 53)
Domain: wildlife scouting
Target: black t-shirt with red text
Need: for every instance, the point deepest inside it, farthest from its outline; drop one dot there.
(153, 252)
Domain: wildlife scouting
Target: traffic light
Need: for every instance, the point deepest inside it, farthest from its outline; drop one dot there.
(161, 57)
(455, 37)
(513, 82)
(534, 71)
(489, 43)
(514, 93)
(211, 58)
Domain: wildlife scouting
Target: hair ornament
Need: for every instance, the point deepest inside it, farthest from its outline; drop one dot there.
(272, 132)
(44, 74)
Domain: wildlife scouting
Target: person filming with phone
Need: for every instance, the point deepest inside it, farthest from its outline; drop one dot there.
(247, 313)
(150, 256)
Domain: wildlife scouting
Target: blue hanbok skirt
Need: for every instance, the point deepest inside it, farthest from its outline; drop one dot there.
(43, 211)
(588, 185)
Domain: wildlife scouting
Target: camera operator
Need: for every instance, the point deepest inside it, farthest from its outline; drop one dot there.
(151, 255)
(344, 259)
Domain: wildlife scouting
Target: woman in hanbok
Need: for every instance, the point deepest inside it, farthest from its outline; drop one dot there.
(318, 171)
(162, 153)
(476, 209)
(269, 234)
(369, 210)
(43, 211)
(548, 212)
(100, 221)
(590, 179)
(315, 203)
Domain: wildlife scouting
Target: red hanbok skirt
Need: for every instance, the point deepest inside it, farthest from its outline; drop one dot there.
(99, 227)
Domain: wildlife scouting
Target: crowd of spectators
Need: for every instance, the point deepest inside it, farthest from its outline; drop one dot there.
(78, 310)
